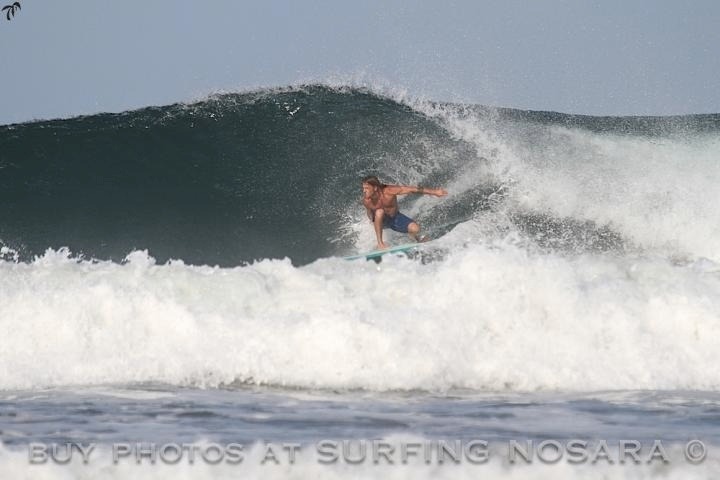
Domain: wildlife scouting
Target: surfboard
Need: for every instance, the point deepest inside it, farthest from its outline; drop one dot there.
(379, 253)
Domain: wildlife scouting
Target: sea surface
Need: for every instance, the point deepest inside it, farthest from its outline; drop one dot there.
(173, 275)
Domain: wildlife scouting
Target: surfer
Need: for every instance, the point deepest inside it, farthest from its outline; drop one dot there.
(380, 201)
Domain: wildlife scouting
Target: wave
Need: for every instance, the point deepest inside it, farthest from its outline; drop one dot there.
(275, 173)
(576, 253)
(227, 180)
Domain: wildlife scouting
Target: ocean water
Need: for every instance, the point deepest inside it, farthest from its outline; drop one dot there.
(173, 275)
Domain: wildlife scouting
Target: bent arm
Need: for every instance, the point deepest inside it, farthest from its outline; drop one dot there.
(404, 190)
(370, 214)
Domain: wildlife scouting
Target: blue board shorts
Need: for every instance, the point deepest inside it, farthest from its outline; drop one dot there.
(399, 222)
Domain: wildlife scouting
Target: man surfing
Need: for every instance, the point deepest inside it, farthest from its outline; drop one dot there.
(380, 201)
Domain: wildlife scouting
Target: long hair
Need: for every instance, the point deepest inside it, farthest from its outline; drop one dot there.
(374, 181)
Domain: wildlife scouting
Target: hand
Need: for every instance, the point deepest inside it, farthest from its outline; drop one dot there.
(440, 192)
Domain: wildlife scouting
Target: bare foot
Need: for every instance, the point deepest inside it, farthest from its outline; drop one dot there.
(423, 239)
(382, 246)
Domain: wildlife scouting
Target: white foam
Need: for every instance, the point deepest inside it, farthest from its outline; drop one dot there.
(656, 192)
(488, 317)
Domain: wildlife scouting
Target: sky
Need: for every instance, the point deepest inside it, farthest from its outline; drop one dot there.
(609, 57)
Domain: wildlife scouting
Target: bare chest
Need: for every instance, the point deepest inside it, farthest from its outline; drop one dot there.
(381, 201)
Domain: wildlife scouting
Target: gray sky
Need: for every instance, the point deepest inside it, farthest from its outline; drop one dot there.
(609, 57)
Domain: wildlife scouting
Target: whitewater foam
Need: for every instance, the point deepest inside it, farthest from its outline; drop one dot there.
(489, 317)
(653, 190)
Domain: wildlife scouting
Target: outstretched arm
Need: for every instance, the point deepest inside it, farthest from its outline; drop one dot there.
(404, 190)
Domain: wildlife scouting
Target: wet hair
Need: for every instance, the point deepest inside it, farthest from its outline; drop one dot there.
(373, 180)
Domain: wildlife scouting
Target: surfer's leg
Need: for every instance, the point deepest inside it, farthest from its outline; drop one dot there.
(413, 229)
(404, 224)
(378, 224)
(414, 232)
